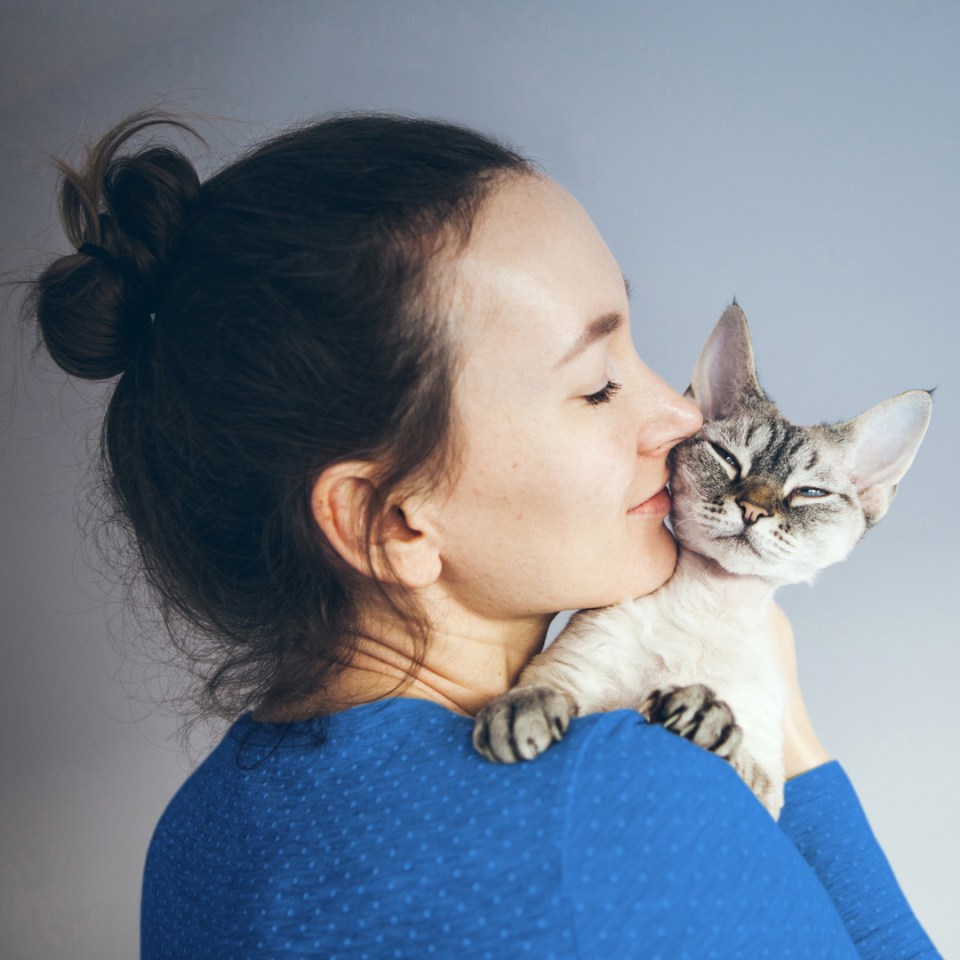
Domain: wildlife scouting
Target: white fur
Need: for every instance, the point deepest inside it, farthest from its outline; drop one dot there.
(703, 626)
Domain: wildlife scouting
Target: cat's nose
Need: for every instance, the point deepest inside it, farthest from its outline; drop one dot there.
(752, 512)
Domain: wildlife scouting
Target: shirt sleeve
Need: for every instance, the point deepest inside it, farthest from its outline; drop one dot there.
(823, 818)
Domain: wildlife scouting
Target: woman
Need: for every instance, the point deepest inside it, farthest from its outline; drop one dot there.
(378, 417)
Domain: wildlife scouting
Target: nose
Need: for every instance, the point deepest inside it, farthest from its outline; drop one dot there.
(667, 417)
(756, 499)
(752, 512)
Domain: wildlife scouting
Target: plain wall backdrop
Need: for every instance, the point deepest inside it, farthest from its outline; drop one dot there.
(801, 156)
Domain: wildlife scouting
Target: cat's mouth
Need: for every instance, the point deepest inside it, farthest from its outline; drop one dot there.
(741, 539)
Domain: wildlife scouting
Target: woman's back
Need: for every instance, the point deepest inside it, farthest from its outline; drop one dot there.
(393, 838)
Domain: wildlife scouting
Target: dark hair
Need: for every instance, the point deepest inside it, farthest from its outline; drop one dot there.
(267, 323)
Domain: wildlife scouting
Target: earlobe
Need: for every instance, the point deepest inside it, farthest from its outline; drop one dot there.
(400, 550)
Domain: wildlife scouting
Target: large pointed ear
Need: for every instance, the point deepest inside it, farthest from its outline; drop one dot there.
(881, 445)
(725, 375)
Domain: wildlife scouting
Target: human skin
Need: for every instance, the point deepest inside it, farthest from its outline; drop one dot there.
(558, 499)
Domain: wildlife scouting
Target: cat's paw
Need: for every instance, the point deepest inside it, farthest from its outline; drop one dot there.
(522, 723)
(695, 713)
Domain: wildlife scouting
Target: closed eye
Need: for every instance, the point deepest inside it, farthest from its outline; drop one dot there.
(726, 456)
(604, 395)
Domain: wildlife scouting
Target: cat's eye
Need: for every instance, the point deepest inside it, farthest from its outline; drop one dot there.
(604, 395)
(726, 456)
(811, 492)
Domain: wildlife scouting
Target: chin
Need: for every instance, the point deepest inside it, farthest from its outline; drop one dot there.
(658, 561)
(737, 558)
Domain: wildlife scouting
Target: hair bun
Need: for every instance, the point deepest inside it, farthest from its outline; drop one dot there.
(125, 215)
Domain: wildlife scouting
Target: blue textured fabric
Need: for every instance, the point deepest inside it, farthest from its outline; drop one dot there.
(394, 839)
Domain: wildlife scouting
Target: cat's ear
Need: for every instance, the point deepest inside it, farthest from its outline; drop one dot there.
(880, 446)
(725, 374)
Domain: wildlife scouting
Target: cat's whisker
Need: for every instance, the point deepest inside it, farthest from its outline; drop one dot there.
(778, 544)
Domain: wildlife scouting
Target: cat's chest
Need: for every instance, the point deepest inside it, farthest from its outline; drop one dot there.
(706, 629)
(696, 634)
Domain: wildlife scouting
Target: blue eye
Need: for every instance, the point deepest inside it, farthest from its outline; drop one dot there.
(604, 395)
(811, 492)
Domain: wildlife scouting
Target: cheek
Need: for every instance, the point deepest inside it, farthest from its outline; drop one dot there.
(550, 531)
(558, 470)
(828, 536)
(561, 481)
(590, 497)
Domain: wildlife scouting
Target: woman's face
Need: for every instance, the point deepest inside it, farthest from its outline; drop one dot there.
(565, 432)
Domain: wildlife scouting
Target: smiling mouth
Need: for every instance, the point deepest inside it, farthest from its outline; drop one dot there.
(656, 506)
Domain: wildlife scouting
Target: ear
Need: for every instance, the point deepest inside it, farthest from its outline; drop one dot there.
(725, 374)
(881, 446)
(339, 502)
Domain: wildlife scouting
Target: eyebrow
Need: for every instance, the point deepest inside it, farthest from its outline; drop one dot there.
(597, 330)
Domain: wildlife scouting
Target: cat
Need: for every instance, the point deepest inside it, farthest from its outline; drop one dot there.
(758, 502)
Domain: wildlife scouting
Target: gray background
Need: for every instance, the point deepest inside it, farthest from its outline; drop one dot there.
(802, 156)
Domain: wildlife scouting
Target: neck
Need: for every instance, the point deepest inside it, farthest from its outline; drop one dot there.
(467, 663)
(723, 586)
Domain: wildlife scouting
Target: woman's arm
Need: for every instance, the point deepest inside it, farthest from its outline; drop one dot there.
(802, 749)
(824, 819)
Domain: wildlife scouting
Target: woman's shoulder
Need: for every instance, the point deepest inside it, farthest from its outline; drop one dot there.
(618, 761)
(624, 741)
(599, 746)
(424, 739)
(418, 757)
(606, 760)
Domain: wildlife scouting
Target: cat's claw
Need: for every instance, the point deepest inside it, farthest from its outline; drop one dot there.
(694, 713)
(522, 723)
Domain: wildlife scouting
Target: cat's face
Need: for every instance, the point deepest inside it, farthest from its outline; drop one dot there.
(764, 497)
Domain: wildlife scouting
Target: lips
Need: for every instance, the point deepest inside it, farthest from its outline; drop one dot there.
(656, 506)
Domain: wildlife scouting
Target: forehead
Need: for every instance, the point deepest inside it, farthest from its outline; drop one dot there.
(534, 272)
(775, 447)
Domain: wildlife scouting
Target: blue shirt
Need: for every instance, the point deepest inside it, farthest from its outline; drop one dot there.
(392, 838)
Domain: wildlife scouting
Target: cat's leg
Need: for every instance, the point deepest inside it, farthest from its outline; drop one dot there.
(760, 765)
(767, 785)
(596, 664)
